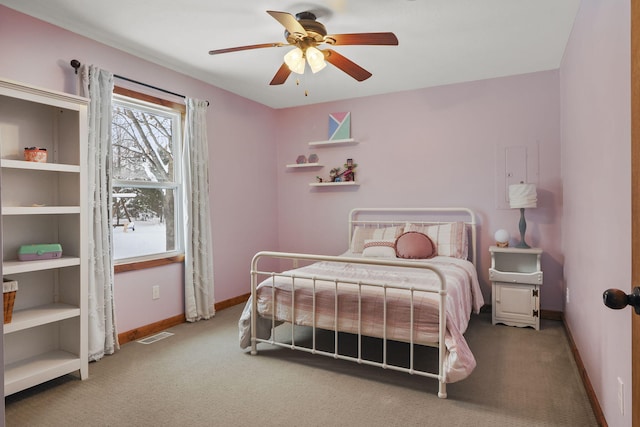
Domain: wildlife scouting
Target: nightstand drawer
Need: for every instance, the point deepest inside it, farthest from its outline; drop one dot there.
(534, 278)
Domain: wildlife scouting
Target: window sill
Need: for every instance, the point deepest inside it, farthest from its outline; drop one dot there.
(141, 265)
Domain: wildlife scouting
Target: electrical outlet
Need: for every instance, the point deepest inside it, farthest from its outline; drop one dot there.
(621, 395)
(156, 292)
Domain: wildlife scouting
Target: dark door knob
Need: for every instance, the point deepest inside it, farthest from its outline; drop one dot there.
(617, 299)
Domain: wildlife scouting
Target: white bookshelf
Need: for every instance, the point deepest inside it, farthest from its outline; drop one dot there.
(44, 203)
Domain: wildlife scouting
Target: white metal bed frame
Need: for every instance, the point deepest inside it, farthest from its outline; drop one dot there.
(470, 222)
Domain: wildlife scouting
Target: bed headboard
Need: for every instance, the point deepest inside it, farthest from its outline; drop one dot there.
(385, 217)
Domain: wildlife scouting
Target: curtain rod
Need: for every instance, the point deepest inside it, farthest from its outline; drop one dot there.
(76, 64)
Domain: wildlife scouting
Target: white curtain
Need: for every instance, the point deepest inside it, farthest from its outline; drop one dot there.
(198, 263)
(97, 85)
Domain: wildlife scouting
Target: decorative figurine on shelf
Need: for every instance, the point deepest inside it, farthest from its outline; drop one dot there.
(334, 174)
(319, 178)
(349, 174)
(338, 175)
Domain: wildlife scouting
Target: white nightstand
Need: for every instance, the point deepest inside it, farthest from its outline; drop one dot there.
(516, 278)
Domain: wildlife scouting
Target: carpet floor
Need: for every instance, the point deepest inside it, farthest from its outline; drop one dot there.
(200, 377)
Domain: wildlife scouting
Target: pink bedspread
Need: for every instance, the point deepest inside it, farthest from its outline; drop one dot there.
(463, 297)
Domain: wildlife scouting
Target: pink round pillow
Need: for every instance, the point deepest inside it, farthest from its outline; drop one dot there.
(415, 245)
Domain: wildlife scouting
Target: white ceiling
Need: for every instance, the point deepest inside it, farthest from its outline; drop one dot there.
(440, 41)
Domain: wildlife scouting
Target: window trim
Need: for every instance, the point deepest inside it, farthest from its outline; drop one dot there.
(169, 257)
(150, 263)
(118, 90)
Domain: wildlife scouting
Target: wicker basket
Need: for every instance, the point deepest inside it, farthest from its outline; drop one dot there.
(9, 288)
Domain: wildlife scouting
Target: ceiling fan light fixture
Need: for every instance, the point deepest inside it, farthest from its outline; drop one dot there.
(295, 60)
(315, 58)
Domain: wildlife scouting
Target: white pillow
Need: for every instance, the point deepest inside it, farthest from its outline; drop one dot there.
(379, 248)
(360, 234)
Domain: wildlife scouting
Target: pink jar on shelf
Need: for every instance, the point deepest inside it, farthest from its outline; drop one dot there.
(35, 154)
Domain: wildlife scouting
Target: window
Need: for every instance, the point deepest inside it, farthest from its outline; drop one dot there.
(146, 179)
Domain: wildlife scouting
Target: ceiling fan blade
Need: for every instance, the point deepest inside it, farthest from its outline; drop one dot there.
(281, 75)
(289, 22)
(346, 65)
(248, 47)
(378, 39)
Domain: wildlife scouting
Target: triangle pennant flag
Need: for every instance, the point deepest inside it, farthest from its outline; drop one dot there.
(339, 126)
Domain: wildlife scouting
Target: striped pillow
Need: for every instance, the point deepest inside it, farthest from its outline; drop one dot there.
(360, 234)
(450, 238)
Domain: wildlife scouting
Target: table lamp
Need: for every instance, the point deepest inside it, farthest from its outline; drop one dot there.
(502, 238)
(522, 196)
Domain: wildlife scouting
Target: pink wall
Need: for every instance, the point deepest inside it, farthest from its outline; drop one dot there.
(243, 200)
(408, 142)
(431, 147)
(596, 171)
(133, 292)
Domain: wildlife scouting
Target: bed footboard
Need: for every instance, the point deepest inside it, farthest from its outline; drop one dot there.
(356, 293)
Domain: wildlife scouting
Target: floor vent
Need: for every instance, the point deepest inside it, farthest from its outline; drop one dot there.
(154, 338)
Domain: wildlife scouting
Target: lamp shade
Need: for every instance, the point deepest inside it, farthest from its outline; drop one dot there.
(315, 58)
(295, 60)
(502, 236)
(522, 196)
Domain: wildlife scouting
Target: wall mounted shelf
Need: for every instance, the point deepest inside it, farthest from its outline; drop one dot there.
(334, 184)
(304, 165)
(333, 143)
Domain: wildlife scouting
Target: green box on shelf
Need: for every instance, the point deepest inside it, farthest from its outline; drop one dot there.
(39, 251)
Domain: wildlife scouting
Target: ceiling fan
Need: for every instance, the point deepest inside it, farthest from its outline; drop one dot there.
(304, 33)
